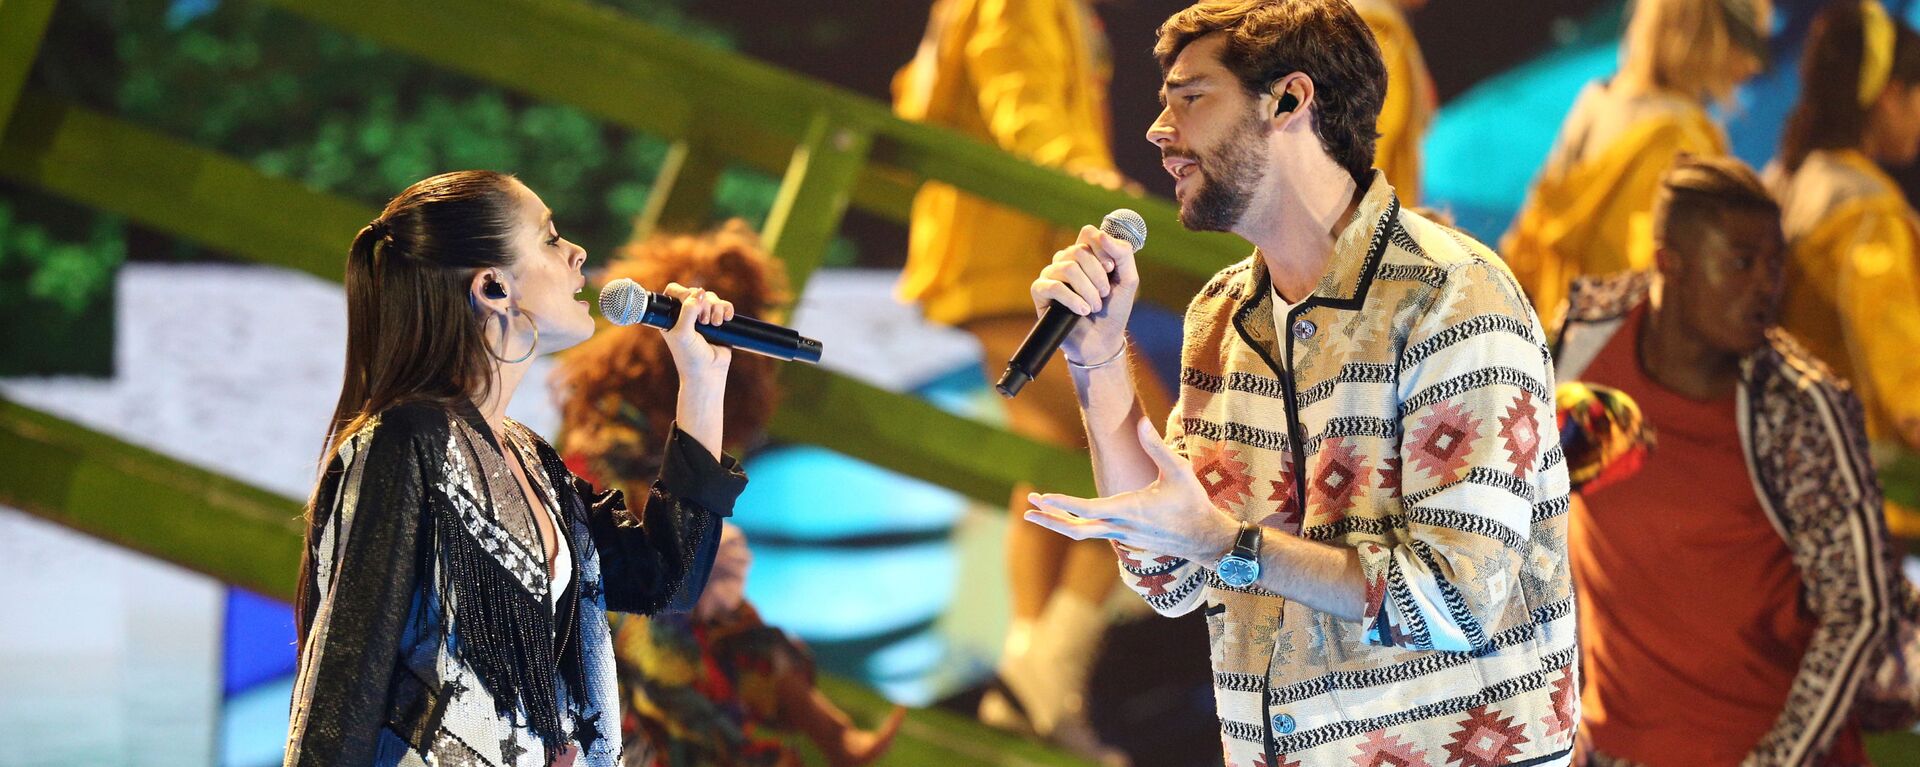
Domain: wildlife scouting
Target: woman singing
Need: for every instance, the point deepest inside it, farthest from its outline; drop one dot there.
(456, 578)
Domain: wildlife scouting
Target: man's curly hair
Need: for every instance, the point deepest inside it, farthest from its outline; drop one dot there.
(617, 390)
(1268, 39)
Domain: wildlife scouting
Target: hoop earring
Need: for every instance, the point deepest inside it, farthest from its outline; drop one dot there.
(505, 326)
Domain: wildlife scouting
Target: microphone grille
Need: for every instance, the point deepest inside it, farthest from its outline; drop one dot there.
(1126, 225)
(622, 301)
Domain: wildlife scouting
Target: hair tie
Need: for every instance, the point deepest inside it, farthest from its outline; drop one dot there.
(1876, 51)
(379, 229)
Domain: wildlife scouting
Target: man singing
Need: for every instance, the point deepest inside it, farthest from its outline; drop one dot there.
(1360, 481)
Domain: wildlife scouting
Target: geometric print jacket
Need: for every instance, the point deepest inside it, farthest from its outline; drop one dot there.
(1804, 436)
(1412, 421)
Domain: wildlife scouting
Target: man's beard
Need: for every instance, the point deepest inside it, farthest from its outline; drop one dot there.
(1229, 175)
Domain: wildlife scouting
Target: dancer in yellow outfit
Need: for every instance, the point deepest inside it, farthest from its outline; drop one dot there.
(1590, 212)
(1853, 282)
(1410, 98)
(1028, 76)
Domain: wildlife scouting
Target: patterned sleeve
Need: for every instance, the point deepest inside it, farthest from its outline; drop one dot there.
(1827, 499)
(1476, 395)
(1171, 586)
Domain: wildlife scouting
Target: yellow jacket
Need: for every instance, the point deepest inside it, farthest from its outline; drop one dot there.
(1029, 76)
(1853, 284)
(1591, 212)
(1410, 98)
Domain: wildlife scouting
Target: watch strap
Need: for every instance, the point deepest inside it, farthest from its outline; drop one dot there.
(1246, 545)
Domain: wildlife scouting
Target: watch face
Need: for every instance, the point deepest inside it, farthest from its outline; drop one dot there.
(1239, 572)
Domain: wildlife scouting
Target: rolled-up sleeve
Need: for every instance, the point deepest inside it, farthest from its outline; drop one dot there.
(1477, 419)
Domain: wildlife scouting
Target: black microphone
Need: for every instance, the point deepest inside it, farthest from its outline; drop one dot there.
(1122, 224)
(624, 302)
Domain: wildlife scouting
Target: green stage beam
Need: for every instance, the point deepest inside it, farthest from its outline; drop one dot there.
(206, 197)
(147, 502)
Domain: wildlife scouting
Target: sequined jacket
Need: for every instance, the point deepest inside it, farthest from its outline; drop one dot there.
(1804, 437)
(429, 634)
(1406, 415)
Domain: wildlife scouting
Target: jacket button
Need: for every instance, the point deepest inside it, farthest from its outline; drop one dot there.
(1304, 329)
(1283, 724)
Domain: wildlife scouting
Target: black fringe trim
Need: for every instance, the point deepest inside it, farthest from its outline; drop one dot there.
(505, 633)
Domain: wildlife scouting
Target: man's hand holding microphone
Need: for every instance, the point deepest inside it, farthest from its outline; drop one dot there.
(1096, 278)
(1156, 503)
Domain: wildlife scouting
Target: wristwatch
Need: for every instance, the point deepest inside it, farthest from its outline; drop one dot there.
(1241, 566)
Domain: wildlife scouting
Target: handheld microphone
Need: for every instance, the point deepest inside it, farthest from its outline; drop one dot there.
(1122, 224)
(624, 302)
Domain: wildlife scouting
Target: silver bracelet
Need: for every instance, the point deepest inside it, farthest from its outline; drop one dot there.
(1110, 360)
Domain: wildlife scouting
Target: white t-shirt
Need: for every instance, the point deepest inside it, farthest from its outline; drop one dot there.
(563, 561)
(1280, 310)
(541, 503)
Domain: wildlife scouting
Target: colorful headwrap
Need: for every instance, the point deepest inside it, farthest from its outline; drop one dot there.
(1603, 434)
(1876, 51)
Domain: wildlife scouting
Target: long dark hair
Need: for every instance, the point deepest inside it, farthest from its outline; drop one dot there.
(412, 333)
(1828, 114)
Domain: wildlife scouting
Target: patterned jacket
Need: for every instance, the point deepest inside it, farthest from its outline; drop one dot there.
(1805, 442)
(430, 630)
(1416, 425)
